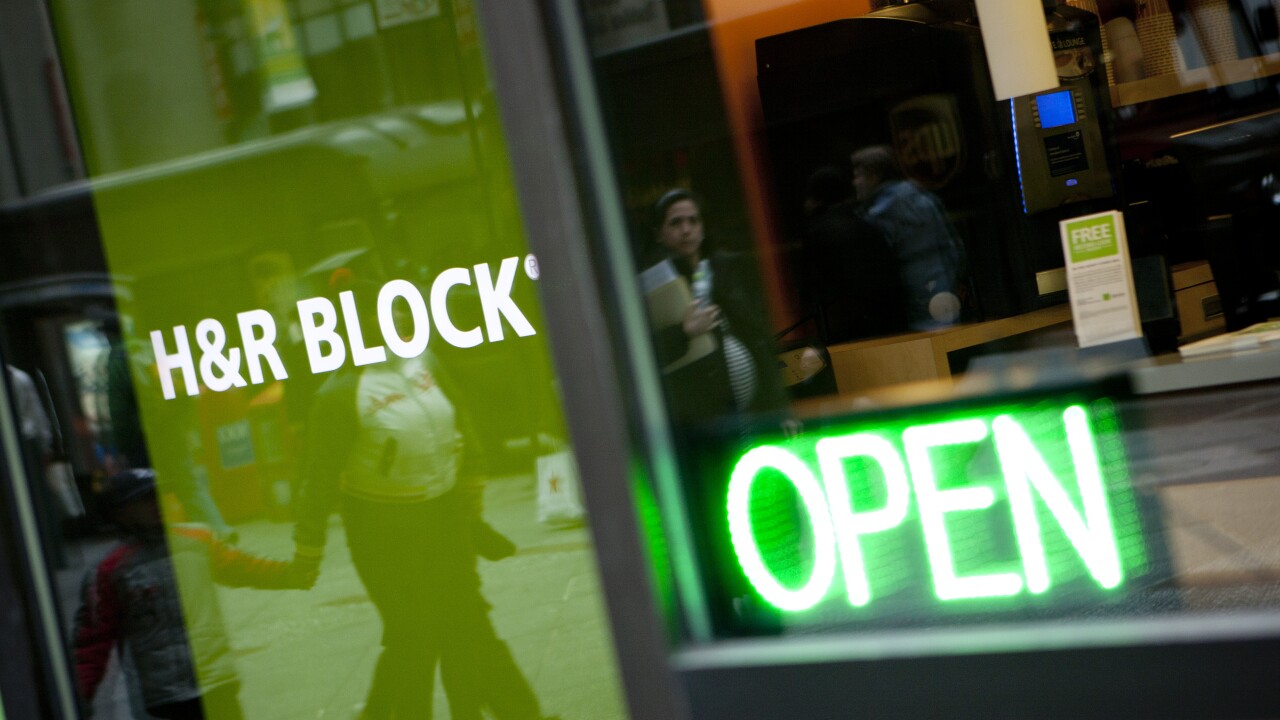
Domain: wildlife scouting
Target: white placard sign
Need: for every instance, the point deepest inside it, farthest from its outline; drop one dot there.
(1104, 306)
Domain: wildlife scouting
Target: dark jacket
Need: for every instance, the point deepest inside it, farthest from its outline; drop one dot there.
(930, 254)
(701, 389)
(852, 277)
(131, 600)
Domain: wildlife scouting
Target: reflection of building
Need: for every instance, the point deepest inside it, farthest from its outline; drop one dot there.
(236, 70)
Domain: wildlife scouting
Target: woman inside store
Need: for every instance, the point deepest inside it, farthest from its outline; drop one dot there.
(391, 445)
(718, 359)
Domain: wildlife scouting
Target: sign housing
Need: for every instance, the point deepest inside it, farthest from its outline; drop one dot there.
(980, 512)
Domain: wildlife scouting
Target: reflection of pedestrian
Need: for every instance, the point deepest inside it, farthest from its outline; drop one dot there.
(717, 399)
(131, 602)
(391, 444)
(851, 274)
(33, 421)
(741, 376)
(36, 433)
(929, 253)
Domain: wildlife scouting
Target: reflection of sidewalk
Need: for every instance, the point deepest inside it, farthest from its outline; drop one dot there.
(311, 654)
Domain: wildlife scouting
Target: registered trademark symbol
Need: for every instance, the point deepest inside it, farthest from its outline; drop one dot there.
(531, 267)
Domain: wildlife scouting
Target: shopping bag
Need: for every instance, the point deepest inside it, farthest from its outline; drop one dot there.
(559, 501)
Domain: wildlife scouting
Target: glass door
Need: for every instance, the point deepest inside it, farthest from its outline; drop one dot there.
(292, 437)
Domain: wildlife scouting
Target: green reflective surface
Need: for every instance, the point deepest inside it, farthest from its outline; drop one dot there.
(330, 349)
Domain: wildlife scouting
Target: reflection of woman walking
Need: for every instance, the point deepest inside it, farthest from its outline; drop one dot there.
(716, 399)
(741, 376)
(390, 439)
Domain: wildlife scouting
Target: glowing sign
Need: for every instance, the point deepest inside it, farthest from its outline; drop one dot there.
(1003, 504)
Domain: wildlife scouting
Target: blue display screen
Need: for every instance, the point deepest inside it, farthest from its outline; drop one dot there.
(1056, 109)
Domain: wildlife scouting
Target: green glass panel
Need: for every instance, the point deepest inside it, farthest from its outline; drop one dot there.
(333, 346)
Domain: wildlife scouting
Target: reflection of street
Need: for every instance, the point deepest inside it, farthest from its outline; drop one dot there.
(1214, 461)
(311, 654)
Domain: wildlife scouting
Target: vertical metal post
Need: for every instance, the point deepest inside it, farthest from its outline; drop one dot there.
(516, 39)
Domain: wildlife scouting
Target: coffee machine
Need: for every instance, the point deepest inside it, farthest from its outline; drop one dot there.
(914, 77)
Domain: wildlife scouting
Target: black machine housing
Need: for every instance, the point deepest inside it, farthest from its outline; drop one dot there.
(915, 77)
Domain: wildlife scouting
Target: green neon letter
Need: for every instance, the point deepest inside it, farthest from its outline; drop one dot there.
(832, 452)
(744, 541)
(935, 503)
(1024, 468)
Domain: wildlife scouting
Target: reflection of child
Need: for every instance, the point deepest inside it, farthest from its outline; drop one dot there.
(131, 600)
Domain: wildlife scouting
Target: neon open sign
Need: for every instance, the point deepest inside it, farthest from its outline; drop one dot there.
(1004, 504)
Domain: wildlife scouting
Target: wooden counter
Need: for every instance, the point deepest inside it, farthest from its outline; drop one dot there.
(867, 364)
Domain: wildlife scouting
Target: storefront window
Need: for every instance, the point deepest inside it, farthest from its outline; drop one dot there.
(283, 378)
(934, 357)
(946, 328)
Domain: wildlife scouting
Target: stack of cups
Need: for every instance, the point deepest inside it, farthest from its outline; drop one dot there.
(1212, 22)
(1159, 39)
